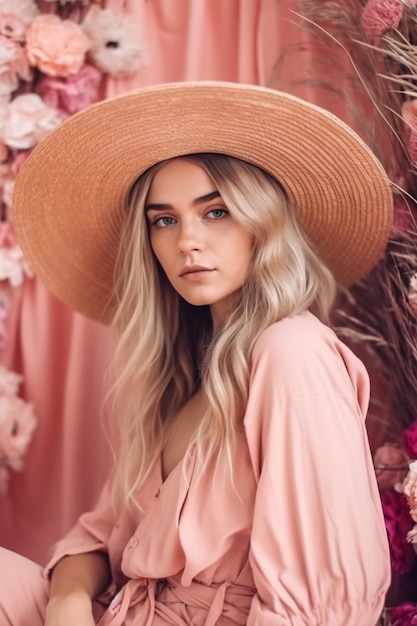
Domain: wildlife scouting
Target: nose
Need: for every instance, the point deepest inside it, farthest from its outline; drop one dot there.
(190, 238)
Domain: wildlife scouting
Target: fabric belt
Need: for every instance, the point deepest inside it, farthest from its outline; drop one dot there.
(143, 595)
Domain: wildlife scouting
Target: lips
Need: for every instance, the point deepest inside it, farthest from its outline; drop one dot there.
(194, 269)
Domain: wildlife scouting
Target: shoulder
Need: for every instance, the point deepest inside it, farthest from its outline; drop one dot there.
(302, 351)
(299, 335)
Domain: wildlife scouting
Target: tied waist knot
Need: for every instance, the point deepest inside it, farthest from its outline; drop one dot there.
(144, 595)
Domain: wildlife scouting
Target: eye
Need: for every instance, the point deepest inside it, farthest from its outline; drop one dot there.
(163, 222)
(217, 213)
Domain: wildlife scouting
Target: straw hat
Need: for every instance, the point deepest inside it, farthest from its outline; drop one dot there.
(70, 195)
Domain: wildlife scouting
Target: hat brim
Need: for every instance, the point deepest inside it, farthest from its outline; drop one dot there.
(70, 196)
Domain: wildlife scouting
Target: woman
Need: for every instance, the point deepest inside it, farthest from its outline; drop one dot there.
(210, 224)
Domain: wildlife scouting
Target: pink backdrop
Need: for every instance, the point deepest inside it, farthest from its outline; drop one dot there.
(62, 355)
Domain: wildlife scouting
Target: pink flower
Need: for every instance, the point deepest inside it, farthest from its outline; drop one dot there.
(29, 120)
(57, 47)
(379, 16)
(391, 465)
(12, 27)
(116, 47)
(73, 93)
(410, 433)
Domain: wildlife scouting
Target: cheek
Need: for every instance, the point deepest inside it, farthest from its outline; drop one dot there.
(156, 247)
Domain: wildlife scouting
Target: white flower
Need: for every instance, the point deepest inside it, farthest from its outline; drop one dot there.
(26, 10)
(28, 121)
(13, 266)
(116, 47)
(9, 382)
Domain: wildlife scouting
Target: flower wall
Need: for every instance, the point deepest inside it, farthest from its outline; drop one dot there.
(53, 58)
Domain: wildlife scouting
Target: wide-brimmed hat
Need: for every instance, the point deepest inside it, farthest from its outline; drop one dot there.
(70, 196)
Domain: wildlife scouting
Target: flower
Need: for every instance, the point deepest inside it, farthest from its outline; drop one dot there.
(28, 121)
(57, 47)
(26, 10)
(9, 382)
(116, 48)
(412, 295)
(410, 433)
(398, 523)
(379, 16)
(13, 265)
(403, 615)
(14, 66)
(71, 94)
(17, 423)
(69, 1)
(12, 27)
(391, 465)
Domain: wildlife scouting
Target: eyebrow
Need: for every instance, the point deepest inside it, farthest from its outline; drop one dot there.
(206, 198)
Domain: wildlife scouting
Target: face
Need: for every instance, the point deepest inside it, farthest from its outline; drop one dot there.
(204, 252)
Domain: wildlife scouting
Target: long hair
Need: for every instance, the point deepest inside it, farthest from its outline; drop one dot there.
(168, 349)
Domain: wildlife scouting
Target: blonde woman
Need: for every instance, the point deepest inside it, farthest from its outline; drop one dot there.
(211, 223)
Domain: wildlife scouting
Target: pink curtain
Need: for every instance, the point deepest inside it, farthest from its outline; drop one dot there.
(63, 356)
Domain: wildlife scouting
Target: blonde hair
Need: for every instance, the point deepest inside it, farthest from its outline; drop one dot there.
(167, 349)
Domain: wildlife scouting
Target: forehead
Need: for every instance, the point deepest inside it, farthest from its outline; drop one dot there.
(180, 178)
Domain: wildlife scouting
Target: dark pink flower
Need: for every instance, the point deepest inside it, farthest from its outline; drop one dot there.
(403, 615)
(410, 440)
(73, 93)
(398, 523)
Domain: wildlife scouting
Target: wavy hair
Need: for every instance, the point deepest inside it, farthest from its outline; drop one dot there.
(167, 349)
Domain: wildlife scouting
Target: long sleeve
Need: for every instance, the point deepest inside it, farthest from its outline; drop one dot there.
(91, 532)
(319, 551)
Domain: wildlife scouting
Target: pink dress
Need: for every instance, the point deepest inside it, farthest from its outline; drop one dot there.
(298, 539)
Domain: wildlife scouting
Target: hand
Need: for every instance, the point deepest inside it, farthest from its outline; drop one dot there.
(71, 610)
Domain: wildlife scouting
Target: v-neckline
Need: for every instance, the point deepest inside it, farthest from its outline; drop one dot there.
(189, 455)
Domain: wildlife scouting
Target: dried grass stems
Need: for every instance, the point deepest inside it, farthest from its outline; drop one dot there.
(383, 76)
(377, 313)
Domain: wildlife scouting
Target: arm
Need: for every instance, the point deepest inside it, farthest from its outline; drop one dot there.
(75, 581)
(319, 551)
(79, 569)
